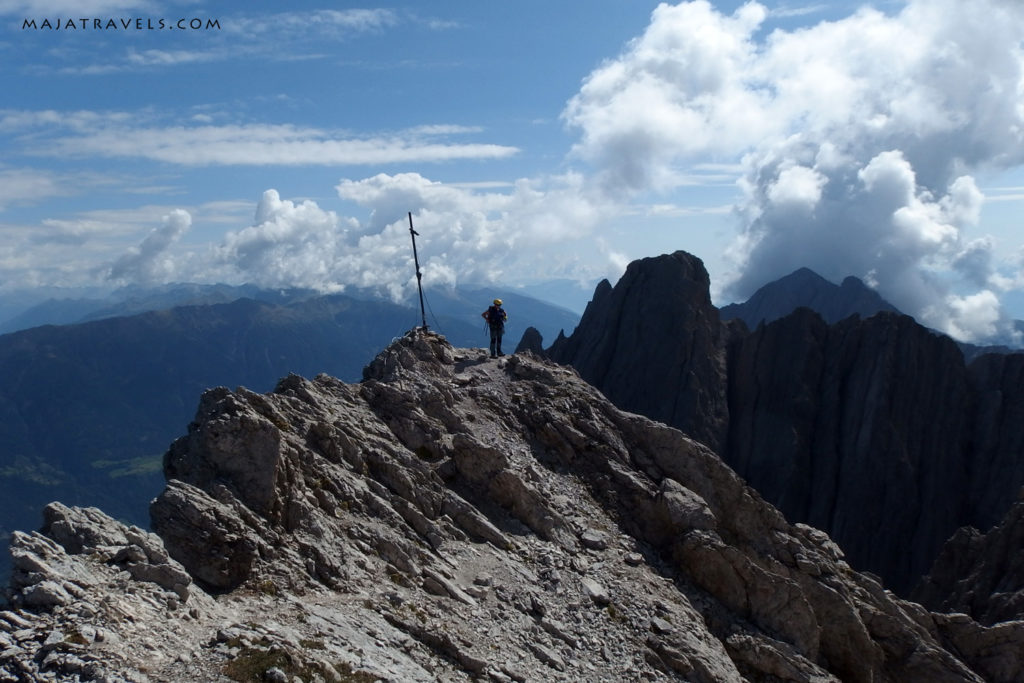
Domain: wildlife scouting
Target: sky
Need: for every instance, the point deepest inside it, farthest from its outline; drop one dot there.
(149, 141)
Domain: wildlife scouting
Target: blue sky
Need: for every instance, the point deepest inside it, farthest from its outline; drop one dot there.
(531, 140)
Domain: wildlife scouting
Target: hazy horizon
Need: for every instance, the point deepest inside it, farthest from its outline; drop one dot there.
(149, 142)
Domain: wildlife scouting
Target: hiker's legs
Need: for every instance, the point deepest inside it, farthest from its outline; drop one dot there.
(495, 342)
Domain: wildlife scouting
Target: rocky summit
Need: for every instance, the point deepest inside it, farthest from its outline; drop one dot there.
(874, 430)
(456, 518)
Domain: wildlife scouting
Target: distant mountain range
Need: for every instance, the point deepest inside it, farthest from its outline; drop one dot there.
(23, 309)
(805, 288)
(65, 307)
(88, 409)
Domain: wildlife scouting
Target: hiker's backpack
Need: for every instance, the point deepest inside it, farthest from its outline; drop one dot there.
(495, 316)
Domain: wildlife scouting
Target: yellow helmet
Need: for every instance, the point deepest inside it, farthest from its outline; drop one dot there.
(497, 302)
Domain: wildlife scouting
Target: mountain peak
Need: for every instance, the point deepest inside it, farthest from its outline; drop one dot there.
(628, 345)
(454, 517)
(805, 288)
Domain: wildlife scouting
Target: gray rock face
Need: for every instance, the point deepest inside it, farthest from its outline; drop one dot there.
(996, 438)
(84, 586)
(458, 518)
(654, 345)
(980, 574)
(873, 430)
(859, 428)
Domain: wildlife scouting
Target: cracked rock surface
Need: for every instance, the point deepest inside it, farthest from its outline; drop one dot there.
(456, 518)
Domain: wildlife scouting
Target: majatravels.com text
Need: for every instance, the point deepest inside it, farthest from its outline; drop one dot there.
(122, 24)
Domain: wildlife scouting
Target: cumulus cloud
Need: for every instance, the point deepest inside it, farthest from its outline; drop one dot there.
(680, 92)
(973, 318)
(150, 261)
(467, 234)
(288, 244)
(859, 139)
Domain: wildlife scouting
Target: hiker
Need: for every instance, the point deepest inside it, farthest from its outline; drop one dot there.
(495, 316)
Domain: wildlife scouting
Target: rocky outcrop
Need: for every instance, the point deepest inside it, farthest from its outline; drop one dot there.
(122, 387)
(456, 518)
(654, 345)
(858, 427)
(531, 341)
(980, 574)
(86, 591)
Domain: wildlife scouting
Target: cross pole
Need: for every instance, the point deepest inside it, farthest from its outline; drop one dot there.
(419, 275)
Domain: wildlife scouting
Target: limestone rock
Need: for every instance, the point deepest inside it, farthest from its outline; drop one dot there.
(452, 519)
(183, 513)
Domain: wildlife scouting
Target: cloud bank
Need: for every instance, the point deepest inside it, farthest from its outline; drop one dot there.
(467, 234)
(857, 141)
(859, 138)
(125, 135)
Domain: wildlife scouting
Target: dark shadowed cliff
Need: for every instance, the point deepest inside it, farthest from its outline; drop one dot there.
(860, 428)
(872, 429)
(654, 345)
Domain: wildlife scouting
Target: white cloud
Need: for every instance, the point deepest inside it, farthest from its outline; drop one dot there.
(27, 186)
(288, 244)
(149, 262)
(859, 137)
(467, 234)
(797, 185)
(680, 92)
(24, 186)
(126, 135)
(973, 318)
(154, 57)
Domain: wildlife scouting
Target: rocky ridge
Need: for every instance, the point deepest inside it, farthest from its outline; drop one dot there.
(874, 430)
(455, 518)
